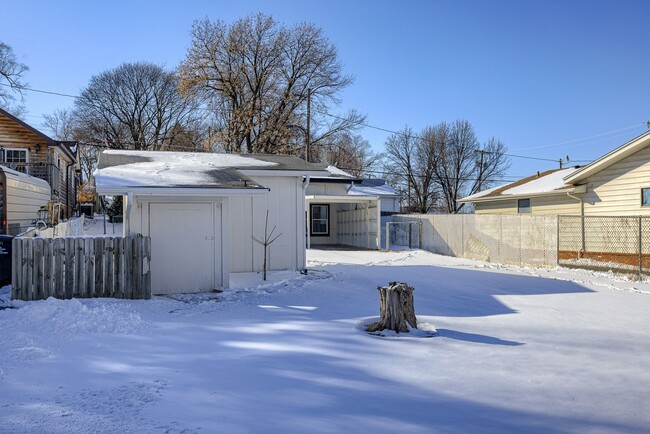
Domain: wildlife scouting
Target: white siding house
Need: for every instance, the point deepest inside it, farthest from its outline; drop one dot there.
(345, 210)
(201, 211)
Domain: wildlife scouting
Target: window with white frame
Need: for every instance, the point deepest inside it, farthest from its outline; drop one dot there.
(16, 159)
(320, 222)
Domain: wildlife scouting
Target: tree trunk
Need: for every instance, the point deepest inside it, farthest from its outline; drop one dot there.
(395, 308)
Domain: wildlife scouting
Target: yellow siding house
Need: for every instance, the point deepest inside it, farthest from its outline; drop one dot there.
(616, 184)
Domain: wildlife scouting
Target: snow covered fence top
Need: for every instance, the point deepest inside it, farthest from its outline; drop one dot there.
(121, 168)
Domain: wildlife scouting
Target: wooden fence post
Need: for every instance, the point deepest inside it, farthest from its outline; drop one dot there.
(138, 276)
(48, 259)
(16, 278)
(59, 268)
(118, 253)
(29, 268)
(109, 254)
(89, 282)
(128, 267)
(70, 272)
(80, 277)
(39, 269)
(99, 265)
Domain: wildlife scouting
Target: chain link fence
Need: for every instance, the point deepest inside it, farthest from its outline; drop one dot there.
(619, 244)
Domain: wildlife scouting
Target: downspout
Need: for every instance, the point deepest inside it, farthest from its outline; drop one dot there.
(127, 214)
(305, 184)
(582, 222)
(67, 190)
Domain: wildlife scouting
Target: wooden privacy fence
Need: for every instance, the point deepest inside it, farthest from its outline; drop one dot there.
(81, 267)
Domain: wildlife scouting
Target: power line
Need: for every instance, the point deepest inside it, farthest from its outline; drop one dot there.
(415, 136)
(587, 138)
(40, 91)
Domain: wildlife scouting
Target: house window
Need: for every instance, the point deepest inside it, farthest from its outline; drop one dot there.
(16, 159)
(523, 206)
(320, 220)
(645, 197)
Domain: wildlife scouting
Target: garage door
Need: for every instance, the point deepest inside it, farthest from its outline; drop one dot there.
(185, 246)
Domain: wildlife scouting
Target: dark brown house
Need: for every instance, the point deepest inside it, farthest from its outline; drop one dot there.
(25, 149)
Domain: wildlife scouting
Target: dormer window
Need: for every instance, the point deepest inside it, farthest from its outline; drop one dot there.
(16, 159)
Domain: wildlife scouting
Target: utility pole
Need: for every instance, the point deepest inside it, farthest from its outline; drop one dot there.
(480, 170)
(308, 134)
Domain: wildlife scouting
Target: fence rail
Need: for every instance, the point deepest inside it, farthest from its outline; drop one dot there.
(81, 267)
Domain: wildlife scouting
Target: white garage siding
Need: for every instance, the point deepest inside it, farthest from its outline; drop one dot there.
(285, 203)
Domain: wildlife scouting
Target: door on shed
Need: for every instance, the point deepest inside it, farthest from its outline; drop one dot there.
(185, 247)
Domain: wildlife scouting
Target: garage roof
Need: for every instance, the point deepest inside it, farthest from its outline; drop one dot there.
(122, 168)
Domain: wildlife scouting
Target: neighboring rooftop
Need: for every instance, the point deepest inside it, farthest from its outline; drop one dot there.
(372, 187)
(540, 183)
(335, 172)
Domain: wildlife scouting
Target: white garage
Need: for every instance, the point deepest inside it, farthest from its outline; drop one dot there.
(201, 210)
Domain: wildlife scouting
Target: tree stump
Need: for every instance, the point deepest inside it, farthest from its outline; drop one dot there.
(395, 308)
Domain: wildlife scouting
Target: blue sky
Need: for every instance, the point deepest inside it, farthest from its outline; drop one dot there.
(535, 74)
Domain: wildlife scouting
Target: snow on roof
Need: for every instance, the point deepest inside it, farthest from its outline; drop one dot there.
(335, 171)
(120, 168)
(166, 169)
(371, 190)
(543, 184)
(482, 193)
(546, 182)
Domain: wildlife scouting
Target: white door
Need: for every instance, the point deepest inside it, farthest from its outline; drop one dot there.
(185, 247)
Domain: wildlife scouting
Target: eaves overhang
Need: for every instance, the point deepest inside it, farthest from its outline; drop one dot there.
(574, 190)
(180, 191)
(610, 158)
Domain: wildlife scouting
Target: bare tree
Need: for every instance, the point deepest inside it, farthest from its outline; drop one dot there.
(266, 241)
(349, 152)
(409, 162)
(11, 79)
(63, 124)
(135, 106)
(60, 124)
(442, 164)
(462, 166)
(258, 75)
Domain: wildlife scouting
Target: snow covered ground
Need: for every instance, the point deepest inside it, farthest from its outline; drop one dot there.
(518, 350)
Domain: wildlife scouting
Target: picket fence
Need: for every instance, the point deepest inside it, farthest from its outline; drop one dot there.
(81, 267)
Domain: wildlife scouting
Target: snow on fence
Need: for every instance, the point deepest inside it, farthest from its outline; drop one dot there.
(508, 239)
(81, 267)
(71, 228)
